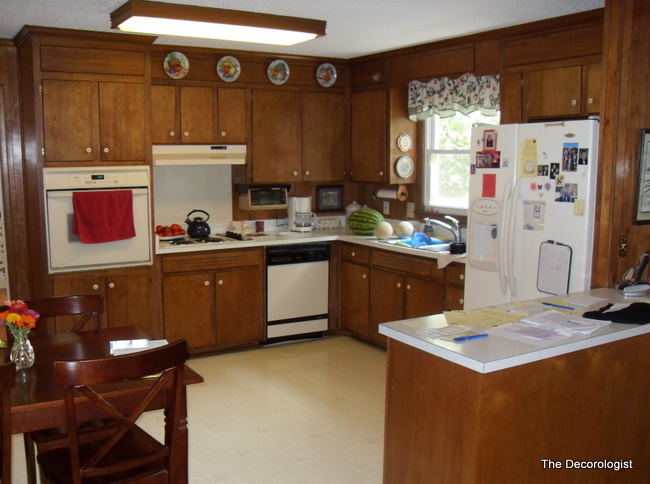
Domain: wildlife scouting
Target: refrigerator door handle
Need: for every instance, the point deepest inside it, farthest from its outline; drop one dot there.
(513, 281)
(503, 236)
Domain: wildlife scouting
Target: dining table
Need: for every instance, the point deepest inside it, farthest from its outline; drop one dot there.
(37, 401)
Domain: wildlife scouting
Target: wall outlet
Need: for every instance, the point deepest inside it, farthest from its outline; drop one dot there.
(386, 207)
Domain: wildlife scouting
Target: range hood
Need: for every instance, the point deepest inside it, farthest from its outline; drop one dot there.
(199, 154)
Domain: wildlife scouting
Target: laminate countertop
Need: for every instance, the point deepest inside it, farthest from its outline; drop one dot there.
(494, 353)
(324, 235)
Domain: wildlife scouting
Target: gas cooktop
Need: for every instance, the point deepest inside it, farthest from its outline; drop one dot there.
(222, 238)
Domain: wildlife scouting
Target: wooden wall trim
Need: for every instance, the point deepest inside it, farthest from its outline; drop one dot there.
(625, 111)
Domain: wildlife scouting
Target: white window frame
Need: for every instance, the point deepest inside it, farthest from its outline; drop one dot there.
(429, 134)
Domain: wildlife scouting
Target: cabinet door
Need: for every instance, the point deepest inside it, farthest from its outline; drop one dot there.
(164, 124)
(68, 120)
(423, 297)
(197, 115)
(122, 125)
(554, 92)
(188, 308)
(368, 159)
(277, 127)
(355, 298)
(231, 115)
(386, 300)
(239, 306)
(324, 139)
(593, 74)
(78, 285)
(129, 298)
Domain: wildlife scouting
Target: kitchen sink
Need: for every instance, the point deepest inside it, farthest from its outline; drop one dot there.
(442, 246)
(436, 248)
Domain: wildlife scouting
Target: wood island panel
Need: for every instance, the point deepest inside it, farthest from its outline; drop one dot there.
(448, 424)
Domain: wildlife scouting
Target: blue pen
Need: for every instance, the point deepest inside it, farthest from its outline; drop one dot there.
(558, 306)
(473, 336)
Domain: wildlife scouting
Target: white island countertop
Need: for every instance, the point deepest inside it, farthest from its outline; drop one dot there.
(494, 353)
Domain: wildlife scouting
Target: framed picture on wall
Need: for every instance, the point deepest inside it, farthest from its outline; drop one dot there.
(643, 193)
(329, 198)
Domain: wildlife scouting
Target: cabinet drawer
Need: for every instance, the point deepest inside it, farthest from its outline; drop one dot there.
(418, 266)
(217, 259)
(355, 253)
(455, 274)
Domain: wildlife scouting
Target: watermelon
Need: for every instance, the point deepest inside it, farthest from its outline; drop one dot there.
(363, 221)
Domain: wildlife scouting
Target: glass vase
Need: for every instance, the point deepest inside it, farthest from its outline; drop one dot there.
(22, 351)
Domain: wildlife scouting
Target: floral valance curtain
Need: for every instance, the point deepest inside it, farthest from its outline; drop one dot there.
(445, 96)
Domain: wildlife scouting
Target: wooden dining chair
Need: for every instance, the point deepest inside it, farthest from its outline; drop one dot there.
(82, 309)
(70, 314)
(7, 382)
(129, 453)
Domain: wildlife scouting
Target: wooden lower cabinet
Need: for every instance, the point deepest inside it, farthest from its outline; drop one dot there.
(128, 298)
(395, 296)
(455, 286)
(378, 286)
(214, 299)
(355, 298)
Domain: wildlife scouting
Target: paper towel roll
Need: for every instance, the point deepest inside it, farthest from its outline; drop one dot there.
(400, 194)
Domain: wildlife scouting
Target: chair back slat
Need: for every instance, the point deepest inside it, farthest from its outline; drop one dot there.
(87, 307)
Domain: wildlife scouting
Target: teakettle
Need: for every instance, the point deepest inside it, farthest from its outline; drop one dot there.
(198, 227)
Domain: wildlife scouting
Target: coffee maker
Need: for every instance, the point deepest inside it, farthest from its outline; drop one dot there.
(301, 218)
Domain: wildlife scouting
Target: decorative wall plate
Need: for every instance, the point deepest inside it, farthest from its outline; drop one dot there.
(404, 166)
(278, 72)
(176, 65)
(404, 142)
(228, 68)
(326, 74)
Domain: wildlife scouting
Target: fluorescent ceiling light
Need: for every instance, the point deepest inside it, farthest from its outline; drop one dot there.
(214, 23)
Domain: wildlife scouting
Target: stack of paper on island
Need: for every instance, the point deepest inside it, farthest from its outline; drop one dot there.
(547, 327)
(126, 346)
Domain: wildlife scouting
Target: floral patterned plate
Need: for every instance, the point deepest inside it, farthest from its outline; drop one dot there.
(278, 72)
(326, 74)
(176, 65)
(228, 68)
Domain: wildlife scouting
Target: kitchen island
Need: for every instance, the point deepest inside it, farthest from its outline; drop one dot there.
(496, 410)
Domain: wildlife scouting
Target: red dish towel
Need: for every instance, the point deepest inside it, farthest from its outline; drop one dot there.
(103, 216)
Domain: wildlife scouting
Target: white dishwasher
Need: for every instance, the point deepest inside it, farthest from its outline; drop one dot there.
(297, 289)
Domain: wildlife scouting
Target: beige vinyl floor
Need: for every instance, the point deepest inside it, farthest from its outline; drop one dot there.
(308, 412)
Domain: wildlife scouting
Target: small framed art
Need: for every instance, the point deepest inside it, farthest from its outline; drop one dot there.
(329, 198)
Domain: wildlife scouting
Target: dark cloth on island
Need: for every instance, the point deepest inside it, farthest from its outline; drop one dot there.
(635, 313)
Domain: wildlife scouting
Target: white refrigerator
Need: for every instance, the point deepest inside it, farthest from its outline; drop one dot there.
(531, 211)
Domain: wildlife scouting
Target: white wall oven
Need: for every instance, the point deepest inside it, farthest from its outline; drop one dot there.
(65, 250)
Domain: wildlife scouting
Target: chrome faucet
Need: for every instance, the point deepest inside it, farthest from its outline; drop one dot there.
(454, 230)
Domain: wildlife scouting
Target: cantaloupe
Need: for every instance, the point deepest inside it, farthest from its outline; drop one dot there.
(404, 229)
(383, 230)
(363, 221)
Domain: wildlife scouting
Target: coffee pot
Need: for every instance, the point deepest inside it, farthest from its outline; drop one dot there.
(198, 226)
(301, 218)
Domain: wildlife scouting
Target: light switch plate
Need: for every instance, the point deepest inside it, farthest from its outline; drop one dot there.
(410, 210)
(386, 207)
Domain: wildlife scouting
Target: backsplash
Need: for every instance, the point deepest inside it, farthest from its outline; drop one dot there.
(180, 189)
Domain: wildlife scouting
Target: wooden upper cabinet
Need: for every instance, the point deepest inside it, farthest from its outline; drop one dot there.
(86, 121)
(277, 141)
(231, 115)
(569, 91)
(68, 120)
(324, 136)
(164, 115)
(554, 92)
(122, 121)
(593, 81)
(368, 136)
(197, 115)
